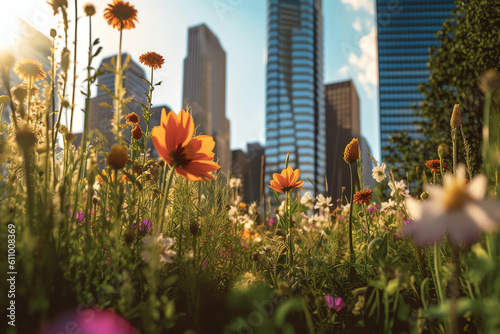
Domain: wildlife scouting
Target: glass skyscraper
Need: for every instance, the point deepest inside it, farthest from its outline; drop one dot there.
(406, 31)
(295, 106)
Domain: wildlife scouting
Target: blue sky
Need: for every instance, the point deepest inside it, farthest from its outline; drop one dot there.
(350, 51)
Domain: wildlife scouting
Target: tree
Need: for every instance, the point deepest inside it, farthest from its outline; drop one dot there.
(469, 44)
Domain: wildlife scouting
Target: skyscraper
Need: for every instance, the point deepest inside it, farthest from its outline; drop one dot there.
(205, 89)
(405, 33)
(101, 114)
(295, 110)
(342, 125)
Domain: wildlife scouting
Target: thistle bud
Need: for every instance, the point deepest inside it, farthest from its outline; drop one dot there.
(456, 117)
(26, 138)
(89, 9)
(194, 228)
(351, 153)
(117, 156)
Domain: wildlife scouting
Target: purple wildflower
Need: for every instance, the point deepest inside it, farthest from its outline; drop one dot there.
(371, 209)
(144, 226)
(407, 222)
(335, 304)
(271, 221)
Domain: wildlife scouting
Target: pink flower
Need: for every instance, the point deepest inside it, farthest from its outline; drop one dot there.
(335, 304)
(90, 321)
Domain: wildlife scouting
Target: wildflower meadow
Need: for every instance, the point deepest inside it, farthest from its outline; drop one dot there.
(102, 238)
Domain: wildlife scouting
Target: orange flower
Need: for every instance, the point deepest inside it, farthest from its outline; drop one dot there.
(434, 166)
(121, 15)
(137, 132)
(363, 196)
(286, 181)
(152, 59)
(132, 118)
(174, 141)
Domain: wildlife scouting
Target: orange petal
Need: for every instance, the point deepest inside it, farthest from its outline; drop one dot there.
(187, 125)
(277, 189)
(203, 146)
(170, 125)
(158, 133)
(195, 170)
(295, 176)
(281, 180)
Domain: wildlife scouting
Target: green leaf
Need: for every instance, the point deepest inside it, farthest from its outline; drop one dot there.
(284, 309)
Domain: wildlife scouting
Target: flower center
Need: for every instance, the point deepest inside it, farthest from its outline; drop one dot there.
(455, 196)
(183, 155)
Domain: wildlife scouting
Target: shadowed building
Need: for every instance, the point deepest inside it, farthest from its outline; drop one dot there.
(295, 111)
(342, 125)
(24, 42)
(239, 169)
(205, 89)
(254, 153)
(101, 115)
(405, 33)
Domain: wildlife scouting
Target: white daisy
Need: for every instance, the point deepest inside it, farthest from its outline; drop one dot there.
(457, 209)
(158, 245)
(378, 172)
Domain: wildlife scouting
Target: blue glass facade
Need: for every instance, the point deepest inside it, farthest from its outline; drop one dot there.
(295, 106)
(406, 31)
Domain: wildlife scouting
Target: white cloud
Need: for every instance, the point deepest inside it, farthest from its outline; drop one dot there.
(357, 24)
(366, 5)
(343, 70)
(364, 64)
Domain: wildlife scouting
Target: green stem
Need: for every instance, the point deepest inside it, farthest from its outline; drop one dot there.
(161, 213)
(74, 67)
(351, 247)
(290, 236)
(454, 135)
(118, 92)
(437, 269)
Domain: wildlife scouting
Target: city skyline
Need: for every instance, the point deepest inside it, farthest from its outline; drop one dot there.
(345, 53)
(403, 43)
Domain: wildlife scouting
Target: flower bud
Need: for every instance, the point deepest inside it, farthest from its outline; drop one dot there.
(19, 92)
(117, 156)
(424, 195)
(489, 81)
(53, 33)
(65, 59)
(443, 151)
(4, 99)
(89, 9)
(456, 117)
(351, 153)
(26, 138)
(137, 132)
(194, 228)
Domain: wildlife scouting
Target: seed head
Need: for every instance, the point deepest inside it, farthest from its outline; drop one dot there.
(89, 9)
(117, 156)
(351, 153)
(456, 117)
(137, 132)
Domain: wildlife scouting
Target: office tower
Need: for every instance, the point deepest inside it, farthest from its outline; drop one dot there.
(342, 125)
(23, 42)
(405, 33)
(101, 115)
(239, 169)
(295, 110)
(254, 153)
(205, 89)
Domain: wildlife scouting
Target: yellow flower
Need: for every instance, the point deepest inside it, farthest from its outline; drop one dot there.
(27, 68)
